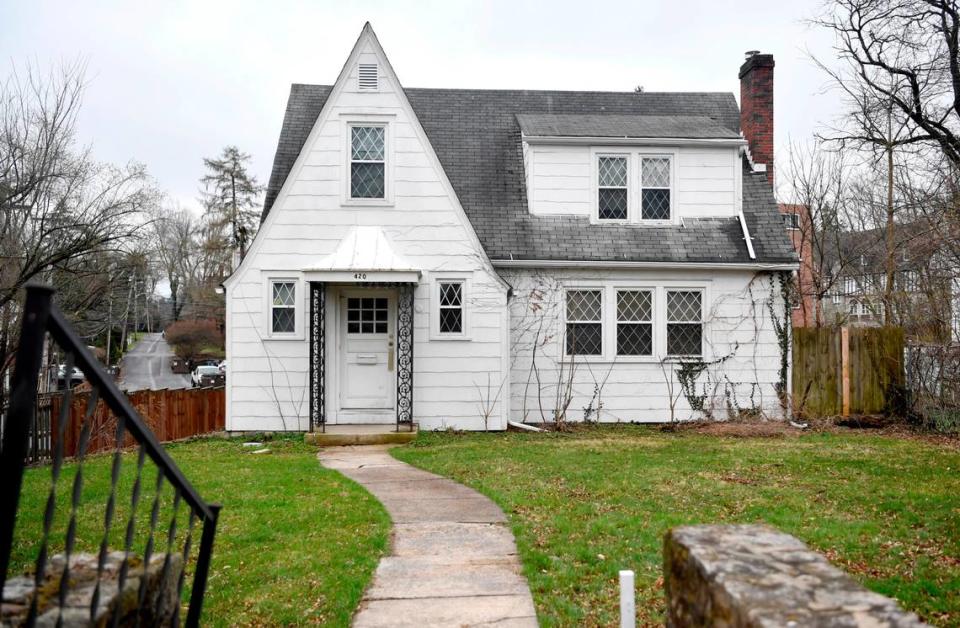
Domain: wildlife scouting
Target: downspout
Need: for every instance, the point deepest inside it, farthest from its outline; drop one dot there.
(746, 234)
(523, 426)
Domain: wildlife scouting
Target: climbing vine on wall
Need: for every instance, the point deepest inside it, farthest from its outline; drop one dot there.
(782, 327)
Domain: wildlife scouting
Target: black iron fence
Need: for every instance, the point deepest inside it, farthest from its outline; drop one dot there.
(129, 535)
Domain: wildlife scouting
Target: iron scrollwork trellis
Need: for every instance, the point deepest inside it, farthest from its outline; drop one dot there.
(41, 317)
(405, 356)
(318, 300)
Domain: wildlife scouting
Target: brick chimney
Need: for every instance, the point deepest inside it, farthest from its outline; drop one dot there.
(756, 107)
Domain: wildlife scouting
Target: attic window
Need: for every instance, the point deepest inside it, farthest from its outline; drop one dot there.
(368, 77)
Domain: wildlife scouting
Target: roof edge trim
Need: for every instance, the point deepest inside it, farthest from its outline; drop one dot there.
(533, 263)
(547, 140)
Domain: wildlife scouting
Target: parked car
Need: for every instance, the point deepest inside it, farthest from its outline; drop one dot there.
(179, 365)
(222, 366)
(75, 377)
(206, 375)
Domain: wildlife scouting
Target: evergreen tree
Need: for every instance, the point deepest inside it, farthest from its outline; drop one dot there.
(231, 198)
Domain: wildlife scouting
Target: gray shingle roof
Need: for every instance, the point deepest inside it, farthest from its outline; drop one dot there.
(476, 136)
(612, 125)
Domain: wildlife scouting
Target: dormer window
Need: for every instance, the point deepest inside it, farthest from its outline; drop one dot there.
(368, 162)
(634, 187)
(612, 196)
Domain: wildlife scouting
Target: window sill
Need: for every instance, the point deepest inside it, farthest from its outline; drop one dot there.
(623, 359)
(367, 202)
(640, 223)
(294, 336)
(453, 337)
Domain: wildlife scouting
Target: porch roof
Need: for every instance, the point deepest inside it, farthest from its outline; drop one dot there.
(364, 254)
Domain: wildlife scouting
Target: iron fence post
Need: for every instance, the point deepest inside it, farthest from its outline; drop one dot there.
(203, 566)
(23, 401)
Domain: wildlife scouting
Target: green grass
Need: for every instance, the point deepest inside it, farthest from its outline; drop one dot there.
(588, 504)
(296, 543)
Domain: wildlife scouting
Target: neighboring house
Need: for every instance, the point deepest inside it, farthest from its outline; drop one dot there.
(796, 220)
(460, 258)
(925, 292)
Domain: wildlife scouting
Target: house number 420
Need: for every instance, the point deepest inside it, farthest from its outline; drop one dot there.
(360, 276)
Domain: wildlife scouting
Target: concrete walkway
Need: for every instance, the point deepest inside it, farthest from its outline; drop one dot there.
(452, 561)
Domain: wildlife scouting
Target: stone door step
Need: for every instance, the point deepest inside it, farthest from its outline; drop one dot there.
(337, 435)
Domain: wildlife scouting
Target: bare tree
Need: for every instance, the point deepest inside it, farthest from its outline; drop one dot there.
(900, 75)
(901, 59)
(174, 233)
(58, 204)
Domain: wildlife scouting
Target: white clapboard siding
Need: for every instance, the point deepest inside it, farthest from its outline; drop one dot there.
(268, 377)
(638, 391)
(560, 180)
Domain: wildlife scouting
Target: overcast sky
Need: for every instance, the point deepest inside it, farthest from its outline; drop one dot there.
(172, 82)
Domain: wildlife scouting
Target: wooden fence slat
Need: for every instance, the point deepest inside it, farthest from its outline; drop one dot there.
(170, 414)
(874, 359)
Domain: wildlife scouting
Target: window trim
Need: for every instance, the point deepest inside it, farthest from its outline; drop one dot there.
(436, 279)
(667, 323)
(671, 189)
(369, 120)
(652, 321)
(298, 304)
(794, 223)
(609, 318)
(635, 157)
(604, 327)
(626, 187)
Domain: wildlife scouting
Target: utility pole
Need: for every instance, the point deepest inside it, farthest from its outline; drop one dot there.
(109, 321)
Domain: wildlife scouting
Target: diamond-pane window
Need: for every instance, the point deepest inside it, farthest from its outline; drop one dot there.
(367, 162)
(684, 322)
(584, 332)
(612, 197)
(367, 143)
(634, 322)
(450, 307)
(655, 188)
(283, 307)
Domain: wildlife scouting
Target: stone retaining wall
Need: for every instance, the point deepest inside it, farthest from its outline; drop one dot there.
(160, 602)
(754, 575)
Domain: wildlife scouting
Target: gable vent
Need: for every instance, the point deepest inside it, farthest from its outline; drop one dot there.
(367, 76)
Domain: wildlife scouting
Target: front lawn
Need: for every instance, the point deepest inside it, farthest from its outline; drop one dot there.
(588, 504)
(296, 543)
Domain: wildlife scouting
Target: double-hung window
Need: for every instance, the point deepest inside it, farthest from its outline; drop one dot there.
(283, 301)
(368, 162)
(684, 323)
(612, 196)
(451, 307)
(635, 322)
(584, 315)
(791, 220)
(655, 188)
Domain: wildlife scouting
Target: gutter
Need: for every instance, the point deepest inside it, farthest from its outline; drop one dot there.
(533, 263)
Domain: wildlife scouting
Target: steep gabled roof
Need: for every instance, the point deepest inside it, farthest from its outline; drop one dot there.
(477, 137)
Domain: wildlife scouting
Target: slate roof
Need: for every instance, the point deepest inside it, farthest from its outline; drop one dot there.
(617, 126)
(476, 136)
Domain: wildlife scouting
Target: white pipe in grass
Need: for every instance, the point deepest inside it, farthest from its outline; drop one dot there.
(523, 426)
(628, 609)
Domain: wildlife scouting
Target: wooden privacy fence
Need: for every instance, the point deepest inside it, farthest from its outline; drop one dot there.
(170, 415)
(847, 370)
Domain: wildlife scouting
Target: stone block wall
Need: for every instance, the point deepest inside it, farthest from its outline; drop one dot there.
(754, 575)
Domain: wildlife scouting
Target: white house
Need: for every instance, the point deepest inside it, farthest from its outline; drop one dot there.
(464, 258)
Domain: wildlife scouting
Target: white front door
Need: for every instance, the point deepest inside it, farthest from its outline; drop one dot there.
(368, 389)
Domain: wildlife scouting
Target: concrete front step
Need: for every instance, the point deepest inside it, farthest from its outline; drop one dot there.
(339, 435)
